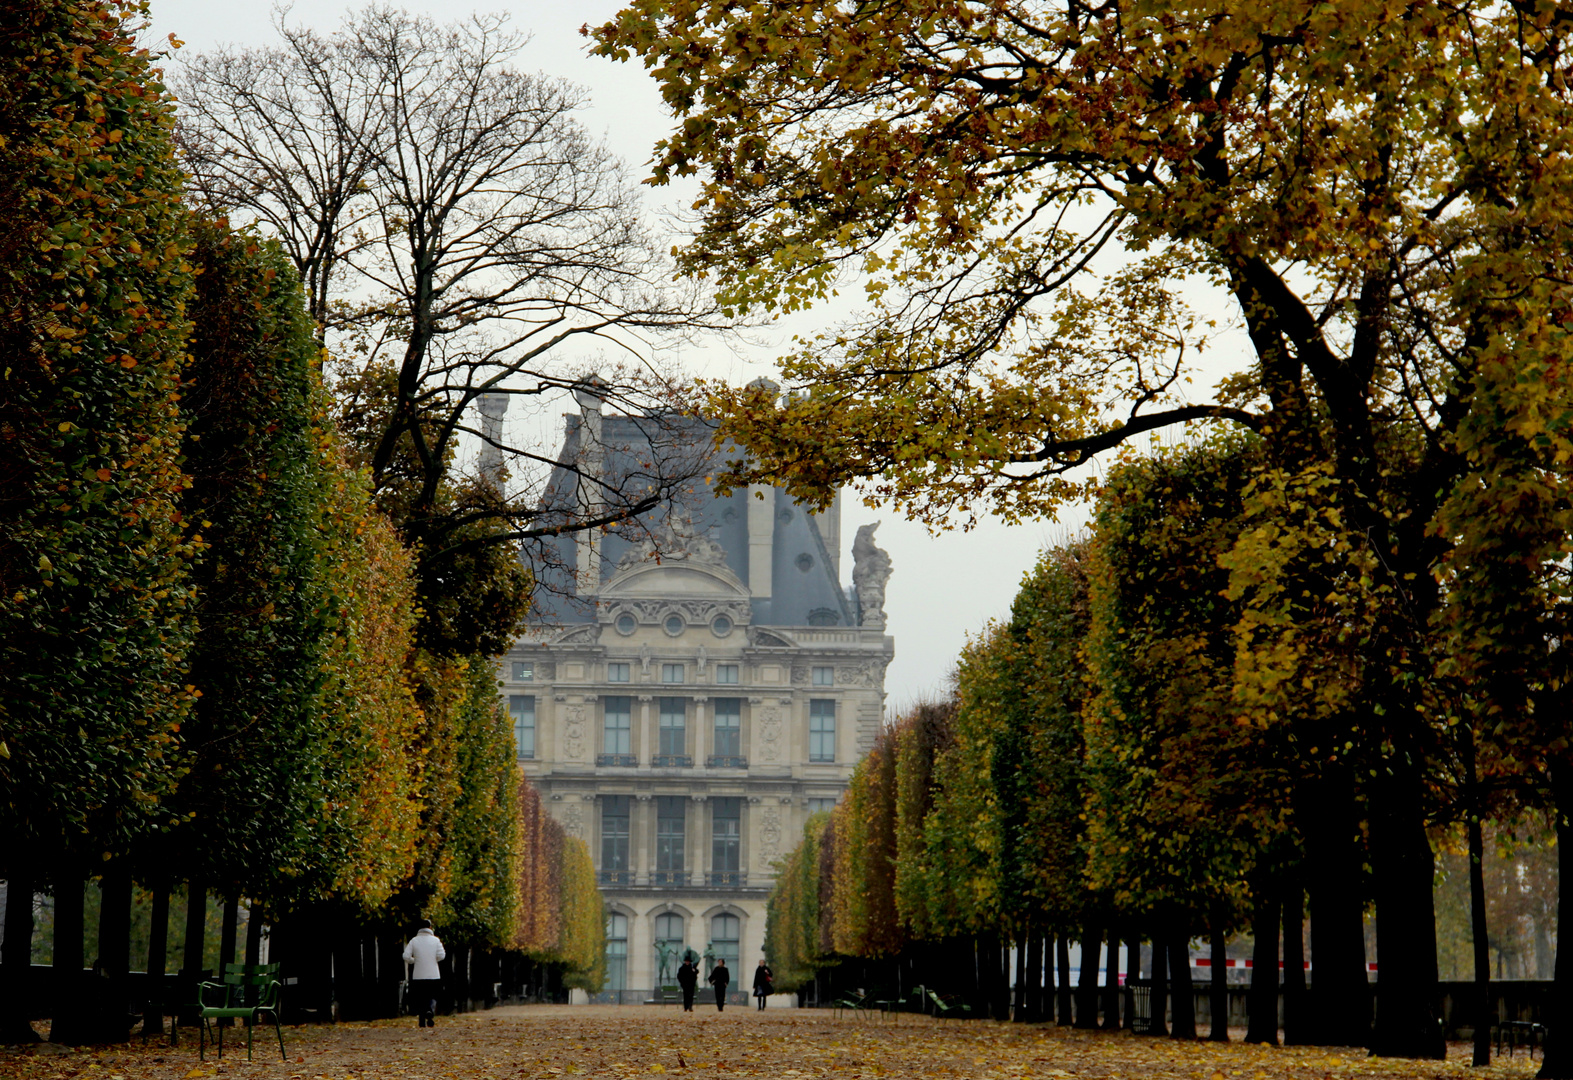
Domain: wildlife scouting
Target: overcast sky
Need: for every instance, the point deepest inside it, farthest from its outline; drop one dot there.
(942, 587)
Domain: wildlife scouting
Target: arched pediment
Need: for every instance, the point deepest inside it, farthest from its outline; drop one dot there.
(667, 907)
(675, 579)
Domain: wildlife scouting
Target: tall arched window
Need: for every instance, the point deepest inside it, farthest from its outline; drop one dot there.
(726, 937)
(617, 952)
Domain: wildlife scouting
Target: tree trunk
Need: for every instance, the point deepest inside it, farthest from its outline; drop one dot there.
(1218, 953)
(1339, 998)
(66, 1011)
(253, 936)
(1111, 985)
(196, 928)
(230, 929)
(1062, 988)
(1182, 991)
(1408, 1020)
(1160, 988)
(114, 951)
(1087, 984)
(1294, 964)
(157, 956)
(1482, 942)
(16, 960)
(1020, 1011)
(1035, 977)
(1263, 1019)
(1557, 1062)
(1133, 970)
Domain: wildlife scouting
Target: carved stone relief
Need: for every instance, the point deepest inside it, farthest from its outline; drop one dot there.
(693, 612)
(799, 675)
(769, 833)
(573, 733)
(574, 823)
(769, 734)
(868, 673)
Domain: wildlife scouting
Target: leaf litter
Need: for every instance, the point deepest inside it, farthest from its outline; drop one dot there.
(548, 1042)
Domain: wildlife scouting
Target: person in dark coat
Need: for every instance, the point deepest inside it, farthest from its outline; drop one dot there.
(762, 980)
(720, 978)
(688, 979)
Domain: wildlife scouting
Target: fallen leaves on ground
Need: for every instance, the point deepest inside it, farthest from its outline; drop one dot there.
(546, 1042)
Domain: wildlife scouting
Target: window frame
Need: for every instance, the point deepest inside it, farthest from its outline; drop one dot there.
(821, 731)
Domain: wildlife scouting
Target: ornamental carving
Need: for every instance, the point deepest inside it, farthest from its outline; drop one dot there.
(573, 732)
(765, 639)
(675, 540)
(577, 635)
(574, 824)
(769, 834)
(769, 734)
(868, 673)
(693, 612)
(799, 675)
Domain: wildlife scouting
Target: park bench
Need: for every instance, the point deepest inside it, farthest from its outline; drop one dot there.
(247, 992)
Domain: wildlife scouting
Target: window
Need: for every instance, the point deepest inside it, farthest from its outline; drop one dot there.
(616, 952)
(674, 727)
(668, 947)
(626, 624)
(728, 740)
(824, 676)
(522, 708)
(524, 671)
(616, 672)
(615, 867)
(821, 806)
(726, 938)
(726, 832)
(721, 626)
(821, 730)
(618, 730)
(675, 625)
(671, 822)
(672, 673)
(726, 674)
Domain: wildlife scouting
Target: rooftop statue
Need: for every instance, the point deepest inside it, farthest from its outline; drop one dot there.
(870, 571)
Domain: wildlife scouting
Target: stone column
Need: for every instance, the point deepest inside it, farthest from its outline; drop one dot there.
(699, 860)
(647, 739)
(640, 828)
(699, 745)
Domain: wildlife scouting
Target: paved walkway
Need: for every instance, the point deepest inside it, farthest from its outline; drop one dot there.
(633, 1042)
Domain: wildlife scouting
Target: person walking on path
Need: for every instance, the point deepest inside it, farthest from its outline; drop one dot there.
(425, 952)
(688, 979)
(720, 978)
(762, 979)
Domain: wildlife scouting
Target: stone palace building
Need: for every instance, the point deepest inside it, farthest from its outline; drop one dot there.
(692, 694)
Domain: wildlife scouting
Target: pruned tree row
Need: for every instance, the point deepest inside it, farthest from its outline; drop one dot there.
(220, 673)
(1114, 769)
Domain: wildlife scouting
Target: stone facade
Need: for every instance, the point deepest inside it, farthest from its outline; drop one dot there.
(714, 684)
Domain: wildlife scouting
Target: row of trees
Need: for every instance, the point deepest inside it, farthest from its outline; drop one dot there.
(216, 663)
(1106, 772)
(1379, 196)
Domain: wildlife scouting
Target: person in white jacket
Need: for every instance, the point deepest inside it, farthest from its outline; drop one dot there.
(425, 952)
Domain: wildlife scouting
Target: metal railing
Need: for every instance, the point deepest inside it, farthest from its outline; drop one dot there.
(728, 877)
(672, 761)
(626, 761)
(726, 761)
(617, 877)
(669, 877)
